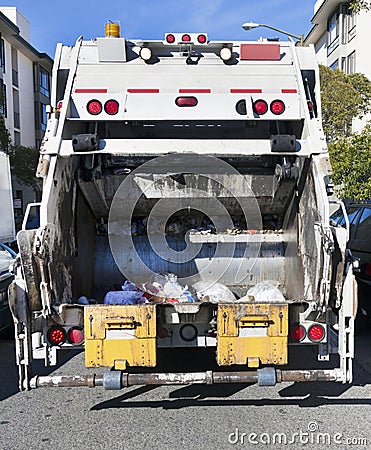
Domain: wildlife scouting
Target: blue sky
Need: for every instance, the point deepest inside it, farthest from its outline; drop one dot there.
(64, 21)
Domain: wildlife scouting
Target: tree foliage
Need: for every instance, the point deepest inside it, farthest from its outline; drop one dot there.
(23, 161)
(343, 98)
(351, 163)
(357, 5)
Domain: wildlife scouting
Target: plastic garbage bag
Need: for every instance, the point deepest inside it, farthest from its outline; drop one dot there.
(124, 298)
(265, 292)
(172, 289)
(213, 292)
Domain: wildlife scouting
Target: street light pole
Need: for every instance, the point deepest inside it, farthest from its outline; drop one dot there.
(251, 25)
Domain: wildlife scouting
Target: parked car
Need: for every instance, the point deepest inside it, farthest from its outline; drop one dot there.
(7, 256)
(359, 215)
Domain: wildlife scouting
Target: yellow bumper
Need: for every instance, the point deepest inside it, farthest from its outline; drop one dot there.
(120, 335)
(252, 334)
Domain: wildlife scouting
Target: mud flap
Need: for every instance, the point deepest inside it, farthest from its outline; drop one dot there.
(252, 334)
(119, 336)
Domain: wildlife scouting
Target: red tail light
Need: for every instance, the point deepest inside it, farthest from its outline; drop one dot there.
(170, 38)
(186, 38)
(111, 107)
(277, 107)
(186, 101)
(202, 38)
(310, 105)
(260, 107)
(56, 335)
(298, 333)
(94, 107)
(75, 335)
(368, 269)
(316, 333)
(163, 333)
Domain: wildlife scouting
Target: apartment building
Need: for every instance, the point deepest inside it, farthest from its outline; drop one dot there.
(25, 87)
(340, 37)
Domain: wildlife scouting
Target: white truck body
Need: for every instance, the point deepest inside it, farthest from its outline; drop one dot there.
(7, 228)
(168, 132)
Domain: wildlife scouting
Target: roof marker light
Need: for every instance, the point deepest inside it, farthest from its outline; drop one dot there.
(186, 38)
(170, 38)
(202, 39)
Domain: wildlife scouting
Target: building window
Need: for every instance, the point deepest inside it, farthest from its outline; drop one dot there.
(2, 54)
(3, 108)
(351, 25)
(44, 82)
(335, 65)
(343, 64)
(351, 63)
(43, 117)
(333, 33)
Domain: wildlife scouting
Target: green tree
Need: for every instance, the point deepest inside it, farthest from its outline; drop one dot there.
(351, 163)
(343, 98)
(23, 162)
(357, 5)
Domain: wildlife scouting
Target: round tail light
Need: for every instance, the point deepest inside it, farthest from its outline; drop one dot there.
(75, 335)
(298, 333)
(277, 107)
(56, 335)
(260, 107)
(201, 38)
(94, 107)
(316, 333)
(111, 107)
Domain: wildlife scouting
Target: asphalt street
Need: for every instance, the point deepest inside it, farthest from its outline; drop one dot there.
(302, 415)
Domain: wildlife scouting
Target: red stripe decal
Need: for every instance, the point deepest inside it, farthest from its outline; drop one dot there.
(194, 91)
(143, 91)
(289, 91)
(246, 91)
(90, 91)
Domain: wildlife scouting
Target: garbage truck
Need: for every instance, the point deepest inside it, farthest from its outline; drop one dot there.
(186, 203)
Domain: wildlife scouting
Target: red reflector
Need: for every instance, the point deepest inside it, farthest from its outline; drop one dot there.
(170, 38)
(111, 107)
(246, 91)
(310, 105)
(277, 107)
(368, 269)
(201, 38)
(297, 333)
(56, 335)
(316, 333)
(94, 107)
(260, 52)
(186, 38)
(143, 91)
(194, 91)
(260, 107)
(90, 91)
(186, 101)
(75, 335)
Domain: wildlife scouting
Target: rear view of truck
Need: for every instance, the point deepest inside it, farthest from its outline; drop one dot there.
(185, 205)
